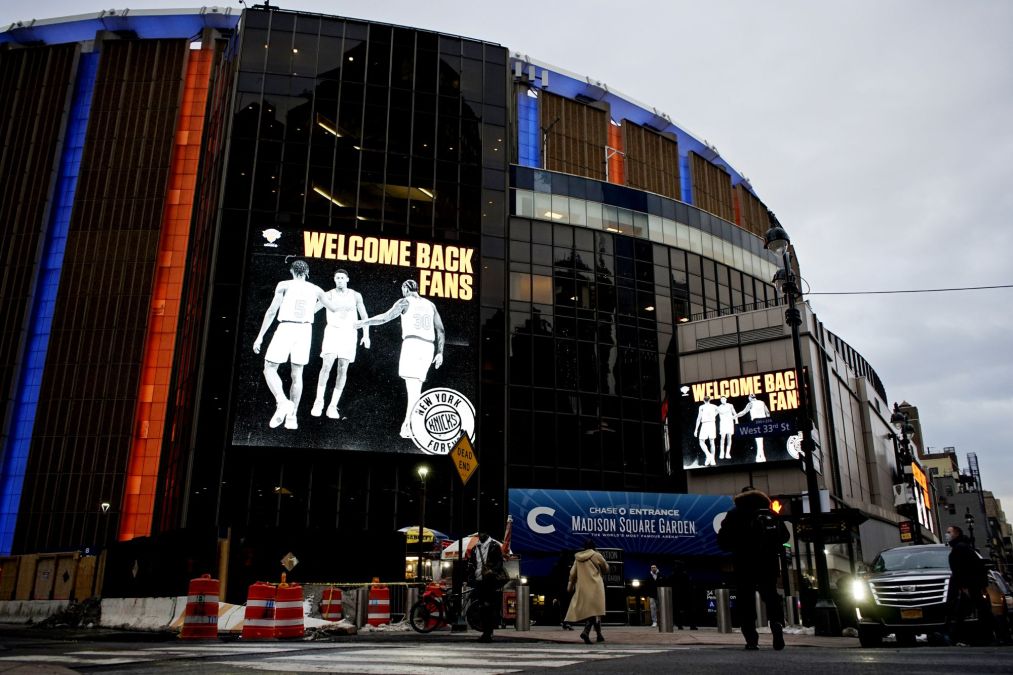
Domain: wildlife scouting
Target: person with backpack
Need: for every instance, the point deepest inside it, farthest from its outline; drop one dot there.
(755, 538)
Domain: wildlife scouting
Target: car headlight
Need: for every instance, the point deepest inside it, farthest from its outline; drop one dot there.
(859, 590)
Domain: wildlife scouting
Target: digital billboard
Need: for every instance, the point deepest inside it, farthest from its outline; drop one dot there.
(741, 420)
(357, 342)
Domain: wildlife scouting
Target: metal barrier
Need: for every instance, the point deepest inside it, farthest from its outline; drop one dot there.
(665, 614)
(724, 612)
(761, 611)
(523, 621)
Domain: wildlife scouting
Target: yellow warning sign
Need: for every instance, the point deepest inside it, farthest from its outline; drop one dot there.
(463, 456)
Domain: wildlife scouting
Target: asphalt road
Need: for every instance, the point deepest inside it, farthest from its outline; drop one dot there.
(41, 653)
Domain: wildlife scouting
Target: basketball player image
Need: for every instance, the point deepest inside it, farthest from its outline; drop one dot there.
(339, 344)
(726, 427)
(705, 430)
(294, 304)
(422, 339)
(756, 409)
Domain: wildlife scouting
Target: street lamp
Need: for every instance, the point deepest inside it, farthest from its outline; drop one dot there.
(969, 520)
(422, 470)
(899, 419)
(825, 614)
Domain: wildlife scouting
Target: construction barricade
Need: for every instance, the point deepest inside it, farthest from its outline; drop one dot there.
(258, 623)
(200, 620)
(288, 611)
(379, 604)
(331, 608)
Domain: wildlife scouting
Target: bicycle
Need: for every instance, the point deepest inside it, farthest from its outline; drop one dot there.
(436, 609)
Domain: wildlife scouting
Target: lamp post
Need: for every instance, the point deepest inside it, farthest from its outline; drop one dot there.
(825, 614)
(969, 520)
(423, 472)
(899, 419)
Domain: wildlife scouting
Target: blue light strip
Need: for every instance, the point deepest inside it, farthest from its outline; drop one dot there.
(528, 139)
(685, 178)
(15, 456)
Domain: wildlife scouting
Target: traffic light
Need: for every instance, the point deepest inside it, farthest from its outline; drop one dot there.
(787, 507)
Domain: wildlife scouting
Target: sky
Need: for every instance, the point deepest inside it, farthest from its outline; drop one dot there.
(879, 132)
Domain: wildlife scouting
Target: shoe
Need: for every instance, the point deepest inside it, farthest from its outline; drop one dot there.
(751, 647)
(679, 627)
(567, 626)
(600, 638)
(406, 431)
(654, 625)
(291, 422)
(318, 408)
(586, 638)
(333, 413)
(693, 628)
(284, 408)
(485, 638)
(777, 631)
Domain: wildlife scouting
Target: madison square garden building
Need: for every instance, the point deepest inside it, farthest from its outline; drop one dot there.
(530, 241)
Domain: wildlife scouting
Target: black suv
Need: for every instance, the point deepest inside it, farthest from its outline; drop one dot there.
(905, 593)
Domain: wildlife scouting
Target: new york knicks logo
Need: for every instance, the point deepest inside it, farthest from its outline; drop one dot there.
(439, 418)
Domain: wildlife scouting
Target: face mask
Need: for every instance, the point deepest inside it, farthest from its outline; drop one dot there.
(946, 536)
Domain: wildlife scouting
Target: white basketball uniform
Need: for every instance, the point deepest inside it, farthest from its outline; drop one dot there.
(726, 417)
(292, 338)
(708, 415)
(340, 335)
(418, 338)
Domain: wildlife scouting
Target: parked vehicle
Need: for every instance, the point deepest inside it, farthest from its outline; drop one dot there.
(1001, 596)
(905, 595)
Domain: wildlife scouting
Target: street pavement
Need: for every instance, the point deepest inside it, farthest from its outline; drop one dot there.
(543, 649)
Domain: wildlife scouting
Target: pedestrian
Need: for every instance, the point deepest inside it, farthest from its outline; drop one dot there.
(559, 579)
(653, 577)
(588, 587)
(968, 581)
(486, 577)
(755, 538)
(683, 596)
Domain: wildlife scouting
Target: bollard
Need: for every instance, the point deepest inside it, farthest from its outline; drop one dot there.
(665, 613)
(724, 612)
(523, 621)
(410, 598)
(361, 605)
(761, 612)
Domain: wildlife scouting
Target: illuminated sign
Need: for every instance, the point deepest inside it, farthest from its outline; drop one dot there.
(739, 420)
(922, 497)
(357, 342)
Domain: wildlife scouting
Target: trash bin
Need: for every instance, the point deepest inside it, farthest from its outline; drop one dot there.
(724, 611)
(523, 621)
(665, 615)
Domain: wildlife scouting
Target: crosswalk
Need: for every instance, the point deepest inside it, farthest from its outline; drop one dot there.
(309, 657)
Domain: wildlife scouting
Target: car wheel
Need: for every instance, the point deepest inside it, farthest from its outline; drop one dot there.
(870, 636)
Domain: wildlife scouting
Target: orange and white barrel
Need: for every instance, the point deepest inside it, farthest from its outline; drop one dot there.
(379, 605)
(258, 622)
(288, 611)
(200, 620)
(331, 604)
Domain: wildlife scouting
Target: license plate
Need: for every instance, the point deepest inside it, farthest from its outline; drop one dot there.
(910, 613)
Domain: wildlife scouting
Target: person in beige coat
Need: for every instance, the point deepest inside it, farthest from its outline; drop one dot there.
(588, 586)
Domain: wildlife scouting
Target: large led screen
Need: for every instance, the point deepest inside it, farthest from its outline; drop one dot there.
(742, 420)
(357, 342)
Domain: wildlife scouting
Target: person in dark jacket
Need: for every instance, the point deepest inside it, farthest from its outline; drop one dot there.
(755, 539)
(485, 571)
(968, 581)
(683, 596)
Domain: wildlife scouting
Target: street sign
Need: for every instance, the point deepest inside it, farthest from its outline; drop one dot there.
(906, 531)
(289, 561)
(463, 456)
(838, 526)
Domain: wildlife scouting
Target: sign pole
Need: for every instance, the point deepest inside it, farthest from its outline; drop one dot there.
(463, 457)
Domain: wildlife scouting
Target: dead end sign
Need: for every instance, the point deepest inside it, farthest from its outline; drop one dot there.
(463, 456)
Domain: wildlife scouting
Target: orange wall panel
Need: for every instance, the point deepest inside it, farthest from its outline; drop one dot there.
(153, 398)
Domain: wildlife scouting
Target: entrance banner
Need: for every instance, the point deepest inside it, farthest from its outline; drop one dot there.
(648, 523)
